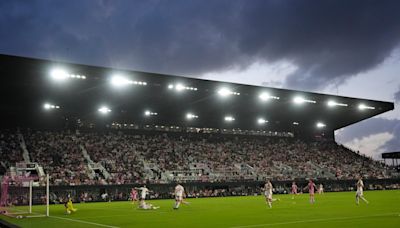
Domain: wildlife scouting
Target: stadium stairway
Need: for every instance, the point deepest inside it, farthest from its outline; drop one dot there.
(25, 152)
(93, 166)
(321, 172)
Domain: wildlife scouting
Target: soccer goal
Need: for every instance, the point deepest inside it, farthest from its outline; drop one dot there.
(25, 196)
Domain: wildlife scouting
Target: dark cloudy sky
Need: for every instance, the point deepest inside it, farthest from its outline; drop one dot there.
(349, 48)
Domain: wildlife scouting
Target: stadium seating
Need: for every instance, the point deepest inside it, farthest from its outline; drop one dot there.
(10, 150)
(160, 157)
(59, 155)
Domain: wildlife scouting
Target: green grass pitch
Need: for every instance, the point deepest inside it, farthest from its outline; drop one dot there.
(330, 210)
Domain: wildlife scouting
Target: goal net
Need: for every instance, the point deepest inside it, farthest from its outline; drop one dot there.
(25, 196)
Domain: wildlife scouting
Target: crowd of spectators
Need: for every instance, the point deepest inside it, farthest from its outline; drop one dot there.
(59, 155)
(124, 156)
(10, 150)
(117, 153)
(138, 157)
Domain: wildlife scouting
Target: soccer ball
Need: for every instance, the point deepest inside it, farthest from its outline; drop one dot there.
(68, 212)
(19, 217)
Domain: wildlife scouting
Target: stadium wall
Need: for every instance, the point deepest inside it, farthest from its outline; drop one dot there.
(199, 189)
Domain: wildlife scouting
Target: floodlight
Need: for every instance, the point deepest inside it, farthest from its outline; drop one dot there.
(363, 106)
(104, 110)
(179, 87)
(301, 100)
(332, 103)
(59, 74)
(150, 113)
(49, 106)
(295, 123)
(46, 106)
(266, 96)
(191, 116)
(262, 121)
(120, 81)
(320, 125)
(224, 92)
(298, 100)
(229, 118)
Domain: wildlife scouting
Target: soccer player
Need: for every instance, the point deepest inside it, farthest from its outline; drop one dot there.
(142, 203)
(268, 193)
(179, 191)
(105, 197)
(147, 206)
(359, 193)
(179, 196)
(143, 192)
(311, 189)
(294, 189)
(321, 189)
(69, 207)
(134, 196)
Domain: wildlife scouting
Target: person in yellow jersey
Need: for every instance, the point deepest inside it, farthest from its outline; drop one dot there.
(69, 207)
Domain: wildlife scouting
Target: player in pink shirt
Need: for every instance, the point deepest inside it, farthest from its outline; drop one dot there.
(311, 189)
(134, 195)
(294, 189)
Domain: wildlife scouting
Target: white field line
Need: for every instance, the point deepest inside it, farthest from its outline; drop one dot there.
(82, 221)
(315, 220)
(73, 220)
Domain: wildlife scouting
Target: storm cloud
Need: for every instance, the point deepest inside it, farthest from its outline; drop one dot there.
(372, 127)
(397, 96)
(327, 41)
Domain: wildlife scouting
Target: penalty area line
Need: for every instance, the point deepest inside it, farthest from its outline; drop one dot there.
(314, 220)
(82, 221)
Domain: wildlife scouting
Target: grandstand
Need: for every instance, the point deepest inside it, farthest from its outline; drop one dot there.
(90, 126)
(87, 119)
(109, 125)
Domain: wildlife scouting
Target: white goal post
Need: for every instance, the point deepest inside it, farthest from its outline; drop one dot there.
(25, 197)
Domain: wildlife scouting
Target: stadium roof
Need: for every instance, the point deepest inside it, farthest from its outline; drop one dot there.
(391, 155)
(26, 85)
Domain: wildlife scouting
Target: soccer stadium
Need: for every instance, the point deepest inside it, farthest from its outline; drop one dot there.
(88, 146)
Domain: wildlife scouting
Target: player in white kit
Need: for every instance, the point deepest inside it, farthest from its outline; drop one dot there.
(321, 189)
(143, 192)
(268, 193)
(147, 206)
(179, 192)
(142, 203)
(360, 192)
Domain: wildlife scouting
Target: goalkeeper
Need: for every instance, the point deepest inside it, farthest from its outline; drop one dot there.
(69, 207)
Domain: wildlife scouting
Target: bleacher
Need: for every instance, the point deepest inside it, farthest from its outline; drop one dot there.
(116, 157)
